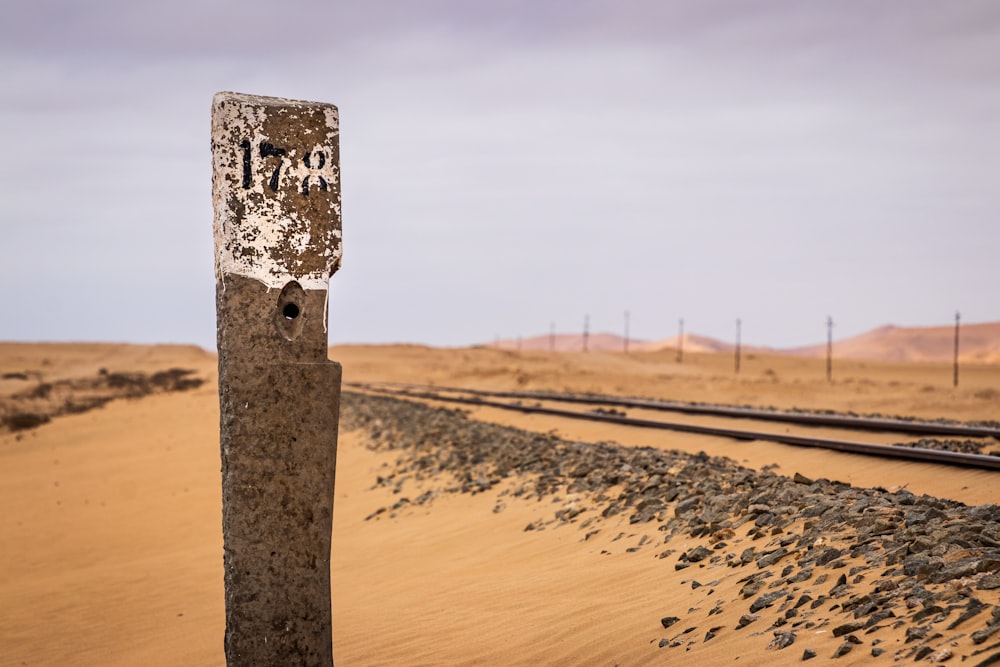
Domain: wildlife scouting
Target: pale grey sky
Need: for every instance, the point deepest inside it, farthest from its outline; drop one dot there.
(509, 165)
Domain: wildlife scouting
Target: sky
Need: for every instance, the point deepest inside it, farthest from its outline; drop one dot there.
(512, 166)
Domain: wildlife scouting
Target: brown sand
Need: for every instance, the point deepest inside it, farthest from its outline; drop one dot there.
(110, 542)
(915, 389)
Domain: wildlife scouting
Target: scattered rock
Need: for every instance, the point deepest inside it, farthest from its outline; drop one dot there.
(926, 555)
(843, 650)
(847, 628)
(697, 554)
(770, 558)
(766, 600)
(781, 640)
(940, 655)
(31, 408)
(916, 632)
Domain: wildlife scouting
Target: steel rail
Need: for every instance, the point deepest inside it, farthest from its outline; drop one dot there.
(813, 419)
(884, 451)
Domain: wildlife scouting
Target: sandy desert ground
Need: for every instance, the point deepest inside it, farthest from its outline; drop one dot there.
(111, 545)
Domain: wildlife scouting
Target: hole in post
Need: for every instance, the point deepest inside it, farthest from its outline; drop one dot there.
(289, 312)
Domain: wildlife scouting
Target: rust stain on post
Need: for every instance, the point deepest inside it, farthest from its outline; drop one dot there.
(276, 195)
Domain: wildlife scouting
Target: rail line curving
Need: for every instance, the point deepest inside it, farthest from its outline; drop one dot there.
(483, 398)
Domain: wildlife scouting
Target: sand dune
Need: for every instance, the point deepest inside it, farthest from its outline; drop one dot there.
(596, 342)
(979, 343)
(111, 550)
(609, 342)
(696, 343)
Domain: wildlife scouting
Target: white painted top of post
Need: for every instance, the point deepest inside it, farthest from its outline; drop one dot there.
(276, 202)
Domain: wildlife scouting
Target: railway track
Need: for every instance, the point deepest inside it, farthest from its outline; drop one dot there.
(546, 403)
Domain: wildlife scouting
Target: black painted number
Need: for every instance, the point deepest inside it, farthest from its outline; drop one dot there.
(247, 156)
(270, 150)
(320, 163)
(266, 150)
(314, 162)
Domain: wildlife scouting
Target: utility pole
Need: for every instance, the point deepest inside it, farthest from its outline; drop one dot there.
(276, 197)
(586, 331)
(626, 332)
(957, 318)
(552, 337)
(680, 341)
(829, 349)
(738, 324)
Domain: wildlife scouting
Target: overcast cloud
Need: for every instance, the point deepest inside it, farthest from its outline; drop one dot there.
(511, 165)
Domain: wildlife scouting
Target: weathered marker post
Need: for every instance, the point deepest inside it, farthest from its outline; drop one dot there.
(829, 348)
(276, 195)
(680, 340)
(958, 317)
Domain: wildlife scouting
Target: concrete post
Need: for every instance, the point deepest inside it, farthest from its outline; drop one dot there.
(625, 344)
(276, 195)
(958, 317)
(680, 340)
(829, 349)
(737, 350)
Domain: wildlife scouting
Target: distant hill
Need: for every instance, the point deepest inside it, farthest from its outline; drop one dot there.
(596, 342)
(978, 343)
(696, 343)
(608, 342)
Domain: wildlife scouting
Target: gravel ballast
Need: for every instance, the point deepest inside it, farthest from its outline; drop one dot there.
(813, 553)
